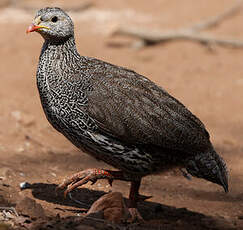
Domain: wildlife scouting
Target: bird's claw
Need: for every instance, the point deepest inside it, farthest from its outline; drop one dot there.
(83, 177)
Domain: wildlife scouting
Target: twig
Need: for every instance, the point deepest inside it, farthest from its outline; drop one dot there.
(152, 37)
(215, 20)
(192, 33)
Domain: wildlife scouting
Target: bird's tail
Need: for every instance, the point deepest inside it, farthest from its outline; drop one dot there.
(209, 166)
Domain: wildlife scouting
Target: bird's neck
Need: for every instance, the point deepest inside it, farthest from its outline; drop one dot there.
(57, 60)
(59, 46)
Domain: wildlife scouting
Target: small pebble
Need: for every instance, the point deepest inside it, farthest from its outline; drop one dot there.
(22, 174)
(24, 185)
(53, 174)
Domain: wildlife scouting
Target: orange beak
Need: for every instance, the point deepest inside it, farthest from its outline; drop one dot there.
(32, 28)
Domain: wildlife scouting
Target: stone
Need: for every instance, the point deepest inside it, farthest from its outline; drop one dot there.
(113, 207)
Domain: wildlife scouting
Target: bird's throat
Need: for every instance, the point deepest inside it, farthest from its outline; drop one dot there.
(54, 64)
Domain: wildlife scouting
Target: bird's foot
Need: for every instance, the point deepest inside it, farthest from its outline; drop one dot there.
(84, 177)
(135, 216)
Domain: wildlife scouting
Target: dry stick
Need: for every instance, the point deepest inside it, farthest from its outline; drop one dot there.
(153, 37)
(191, 33)
(215, 20)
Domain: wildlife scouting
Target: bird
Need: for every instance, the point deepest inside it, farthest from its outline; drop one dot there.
(117, 115)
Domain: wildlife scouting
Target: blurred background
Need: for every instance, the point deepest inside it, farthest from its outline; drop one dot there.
(208, 79)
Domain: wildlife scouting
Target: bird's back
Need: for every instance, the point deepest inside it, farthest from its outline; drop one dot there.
(137, 111)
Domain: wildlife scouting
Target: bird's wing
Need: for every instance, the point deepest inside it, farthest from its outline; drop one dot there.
(135, 110)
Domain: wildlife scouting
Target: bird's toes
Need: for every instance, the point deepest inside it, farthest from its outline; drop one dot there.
(83, 177)
(60, 187)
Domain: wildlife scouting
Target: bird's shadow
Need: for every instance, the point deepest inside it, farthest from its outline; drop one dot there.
(162, 214)
(81, 198)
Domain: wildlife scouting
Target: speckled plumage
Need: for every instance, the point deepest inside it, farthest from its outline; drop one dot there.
(117, 115)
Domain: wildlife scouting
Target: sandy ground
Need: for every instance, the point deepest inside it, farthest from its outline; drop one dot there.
(208, 82)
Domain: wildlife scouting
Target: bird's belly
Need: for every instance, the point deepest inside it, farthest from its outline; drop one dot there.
(76, 126)
(129, 159)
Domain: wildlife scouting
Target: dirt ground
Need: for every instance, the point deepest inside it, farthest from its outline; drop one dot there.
(208, 82)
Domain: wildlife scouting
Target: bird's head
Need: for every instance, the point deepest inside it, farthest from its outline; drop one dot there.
(52, 23)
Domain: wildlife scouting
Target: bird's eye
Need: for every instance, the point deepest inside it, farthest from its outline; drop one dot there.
(54, 19)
